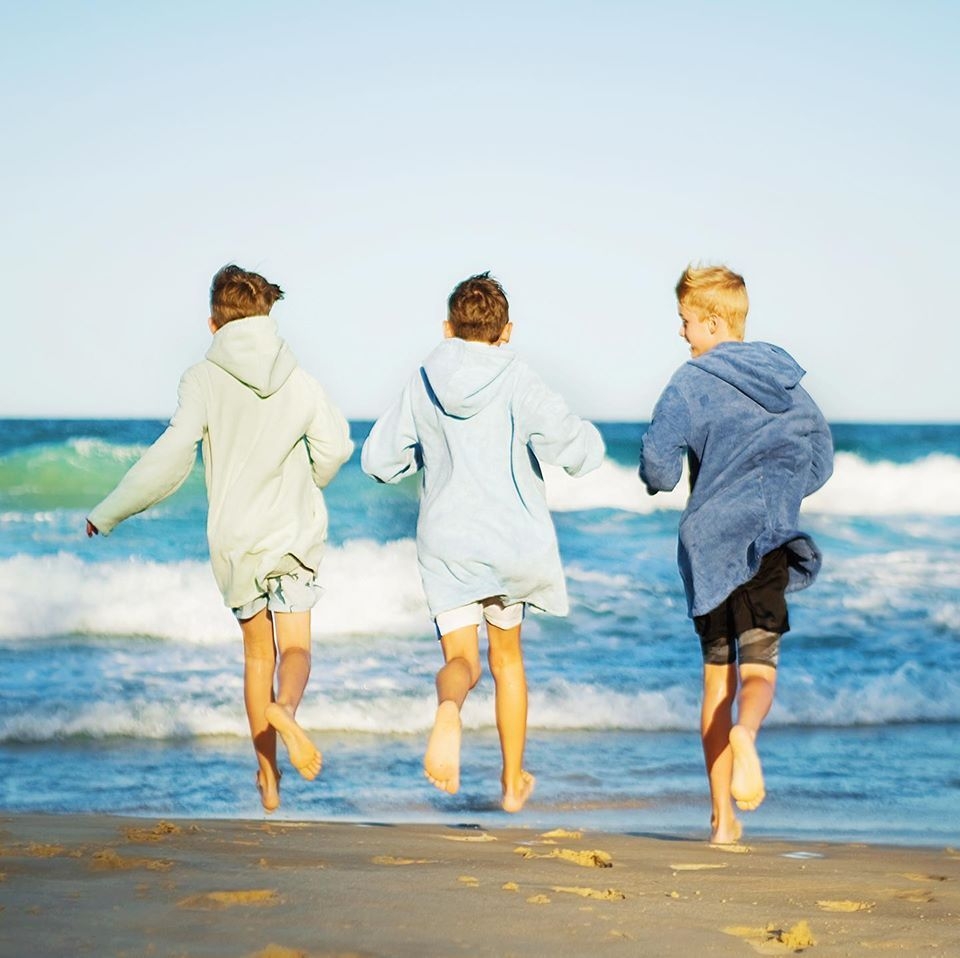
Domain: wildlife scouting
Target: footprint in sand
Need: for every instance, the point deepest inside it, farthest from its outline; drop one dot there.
(921, 896)
(587, 859)
(392, 860)
(159, 831)
(772, 940)
(228, 899)
(562, 833)
(609, 894)
(278, 951)
(845, 905)
(38, 850)
(109, 859)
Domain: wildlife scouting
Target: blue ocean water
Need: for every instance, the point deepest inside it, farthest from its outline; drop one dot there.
(120, 670)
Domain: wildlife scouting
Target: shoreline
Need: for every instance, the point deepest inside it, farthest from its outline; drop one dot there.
(75, 884)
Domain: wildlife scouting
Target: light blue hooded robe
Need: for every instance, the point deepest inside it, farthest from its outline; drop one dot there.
(478, 421)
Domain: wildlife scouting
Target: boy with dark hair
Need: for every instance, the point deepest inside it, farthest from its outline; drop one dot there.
(478, 421)
(278, 442)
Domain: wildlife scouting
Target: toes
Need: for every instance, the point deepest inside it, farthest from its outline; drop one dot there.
(449, 785)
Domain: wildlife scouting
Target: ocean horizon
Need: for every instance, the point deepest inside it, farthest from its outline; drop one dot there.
(121, 671)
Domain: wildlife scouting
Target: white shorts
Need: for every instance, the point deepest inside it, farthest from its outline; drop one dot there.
(295, 591)
(493, 610)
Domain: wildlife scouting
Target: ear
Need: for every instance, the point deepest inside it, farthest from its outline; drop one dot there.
(448, 332)
(505, 334)
(212, 325)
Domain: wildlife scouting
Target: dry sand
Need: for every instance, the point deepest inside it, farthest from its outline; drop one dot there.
(100, 886)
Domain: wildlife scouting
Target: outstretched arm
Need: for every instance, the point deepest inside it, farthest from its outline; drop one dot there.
(162, 469)
(556, 435)
(392, 450)
(665, 443)
(328, 440)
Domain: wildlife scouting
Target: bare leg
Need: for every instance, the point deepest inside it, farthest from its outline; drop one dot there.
(259, 661)
(757, 687)
(716, 721)
(460, 673)
(293, 641)
(506, 666)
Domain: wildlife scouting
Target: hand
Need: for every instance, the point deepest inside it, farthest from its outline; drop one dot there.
(92, 530)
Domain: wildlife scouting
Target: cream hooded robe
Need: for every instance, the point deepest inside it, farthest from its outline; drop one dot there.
(271, 441)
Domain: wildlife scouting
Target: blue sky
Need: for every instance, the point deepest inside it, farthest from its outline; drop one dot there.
(368, 156)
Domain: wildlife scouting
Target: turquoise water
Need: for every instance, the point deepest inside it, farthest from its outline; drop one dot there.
(120, 670)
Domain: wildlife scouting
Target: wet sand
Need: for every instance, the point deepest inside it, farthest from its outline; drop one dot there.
(78, 885)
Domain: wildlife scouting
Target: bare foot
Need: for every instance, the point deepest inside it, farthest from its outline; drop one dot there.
(441, 764)
(515, 798)
(729, 834)
(268, 785)
(304, 756)
(746, 783)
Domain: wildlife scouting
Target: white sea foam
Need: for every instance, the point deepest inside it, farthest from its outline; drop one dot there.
(612, 486)
(909, 694)
(370, 589)
(884, 580)
(128, 718)
(99, 449)
(928, 486)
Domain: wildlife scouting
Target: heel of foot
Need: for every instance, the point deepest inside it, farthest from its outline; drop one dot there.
(514, 799)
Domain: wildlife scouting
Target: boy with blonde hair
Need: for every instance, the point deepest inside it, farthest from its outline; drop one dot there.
(757, 445)
(478, 421)
(278, 441)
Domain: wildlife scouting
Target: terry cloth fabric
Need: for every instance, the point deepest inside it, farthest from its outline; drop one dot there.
(271, 441)
(757, 445)
(478, 422)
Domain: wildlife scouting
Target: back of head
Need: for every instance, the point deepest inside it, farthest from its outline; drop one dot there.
(715, 291)
(478, 310)
(236, 293)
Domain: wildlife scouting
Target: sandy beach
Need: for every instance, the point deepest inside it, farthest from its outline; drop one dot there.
(97, 885)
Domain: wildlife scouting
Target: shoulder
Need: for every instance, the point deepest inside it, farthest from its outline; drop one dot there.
(681, 384)
(198, 375)
(526, 378)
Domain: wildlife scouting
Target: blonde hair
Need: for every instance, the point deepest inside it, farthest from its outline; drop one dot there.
(236, 293)
(715, 291)
(478, 310)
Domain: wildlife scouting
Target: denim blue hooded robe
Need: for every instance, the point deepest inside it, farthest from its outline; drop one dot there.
(478, 421)
(757, 445)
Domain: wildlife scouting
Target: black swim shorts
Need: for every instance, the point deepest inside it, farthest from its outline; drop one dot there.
(758, 607)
